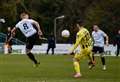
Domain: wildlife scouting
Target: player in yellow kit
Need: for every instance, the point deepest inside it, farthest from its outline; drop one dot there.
(84, 40)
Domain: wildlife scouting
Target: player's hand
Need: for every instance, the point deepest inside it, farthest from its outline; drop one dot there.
(40, 34)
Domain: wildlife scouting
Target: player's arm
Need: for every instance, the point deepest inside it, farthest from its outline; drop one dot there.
(106, 38)
(38, 28)
(12, 33)
(76, 44)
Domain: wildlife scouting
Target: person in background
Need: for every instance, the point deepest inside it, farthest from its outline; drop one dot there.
(117, 42)
(98, 38)
(51, 43)
(8, 41)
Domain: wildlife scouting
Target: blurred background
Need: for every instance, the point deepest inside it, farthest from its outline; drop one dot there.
(60, 14)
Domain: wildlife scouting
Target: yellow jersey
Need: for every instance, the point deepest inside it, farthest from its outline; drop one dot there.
(83, 39)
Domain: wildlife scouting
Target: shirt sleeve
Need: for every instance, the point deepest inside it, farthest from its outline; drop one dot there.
(78, 39)
(32, 21)
(104, 34)
(17, 25)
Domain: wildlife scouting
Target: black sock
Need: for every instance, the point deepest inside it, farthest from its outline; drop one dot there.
(31, 56)
(103, 60)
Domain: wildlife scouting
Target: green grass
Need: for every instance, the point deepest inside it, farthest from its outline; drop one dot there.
(18, 68)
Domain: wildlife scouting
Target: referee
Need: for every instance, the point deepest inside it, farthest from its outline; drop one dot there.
(99, 41)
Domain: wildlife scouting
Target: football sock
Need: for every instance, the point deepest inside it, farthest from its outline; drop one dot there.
(103, 60)
(31, 56)
(77, 67)
(92, 58)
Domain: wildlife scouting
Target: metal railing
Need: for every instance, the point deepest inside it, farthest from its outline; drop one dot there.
(14, 40)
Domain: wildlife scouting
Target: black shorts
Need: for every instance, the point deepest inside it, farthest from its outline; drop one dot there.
(97, 49)
(30, 42)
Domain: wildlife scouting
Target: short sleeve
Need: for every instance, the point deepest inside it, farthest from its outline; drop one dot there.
(103, 33)
(17, 25)
(32, 21)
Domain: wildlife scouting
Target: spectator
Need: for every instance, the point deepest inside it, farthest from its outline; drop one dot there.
(51, 43)
(117, 42)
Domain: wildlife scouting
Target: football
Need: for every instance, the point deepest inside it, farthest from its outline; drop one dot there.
(65, 33)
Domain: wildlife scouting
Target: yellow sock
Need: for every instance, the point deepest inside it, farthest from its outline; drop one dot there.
(91, 58)
(77, 67)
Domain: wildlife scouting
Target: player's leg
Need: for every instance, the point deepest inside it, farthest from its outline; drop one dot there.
(94, 51)
(77, 68)
(10, 49)
(102, 54)
(76, 64)
(103, 61)
(91, 59)
(31, 56)
(29, 46)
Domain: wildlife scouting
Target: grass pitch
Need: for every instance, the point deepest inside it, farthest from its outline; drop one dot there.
(18, 68)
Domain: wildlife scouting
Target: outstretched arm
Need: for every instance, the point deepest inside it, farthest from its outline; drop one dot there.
(38, 28)
(106, 37)
(107, 40)
(76, 44)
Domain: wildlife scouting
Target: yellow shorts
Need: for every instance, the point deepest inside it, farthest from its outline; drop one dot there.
(84, 53)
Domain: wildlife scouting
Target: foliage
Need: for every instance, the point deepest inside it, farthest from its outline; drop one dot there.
(105, 13)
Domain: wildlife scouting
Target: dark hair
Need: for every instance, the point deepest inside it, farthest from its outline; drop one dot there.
(25, 12)
(80, 22)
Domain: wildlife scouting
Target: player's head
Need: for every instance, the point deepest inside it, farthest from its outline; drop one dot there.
(95, 28)
(78, 24)
(24, 15)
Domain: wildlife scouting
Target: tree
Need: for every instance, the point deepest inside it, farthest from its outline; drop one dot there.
(105, 13)
(8, 12)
